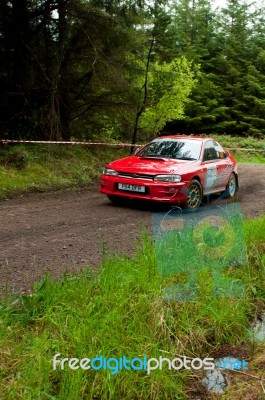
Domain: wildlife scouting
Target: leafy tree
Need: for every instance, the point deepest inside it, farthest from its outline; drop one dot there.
(169, 87)
(90, 68)
(195, 24)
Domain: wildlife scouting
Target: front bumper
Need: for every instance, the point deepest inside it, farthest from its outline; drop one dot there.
(154, 190)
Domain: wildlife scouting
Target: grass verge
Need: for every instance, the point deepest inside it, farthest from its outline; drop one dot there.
(245, 143)
(43, 167)
(120, 312)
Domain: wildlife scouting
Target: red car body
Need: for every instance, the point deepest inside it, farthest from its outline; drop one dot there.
(135, 177)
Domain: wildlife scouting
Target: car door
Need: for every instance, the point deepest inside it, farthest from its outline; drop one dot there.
(224, 167)
(217, 167)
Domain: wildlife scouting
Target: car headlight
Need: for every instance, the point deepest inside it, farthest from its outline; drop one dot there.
(168, 178)
(108, 171)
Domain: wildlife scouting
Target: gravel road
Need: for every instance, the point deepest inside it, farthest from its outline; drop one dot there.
(64, 230)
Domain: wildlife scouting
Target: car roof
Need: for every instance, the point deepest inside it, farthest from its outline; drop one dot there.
(202, 138)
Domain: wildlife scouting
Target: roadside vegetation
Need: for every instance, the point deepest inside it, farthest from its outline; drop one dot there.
(29, 168)
(42, 167)
(121, 311)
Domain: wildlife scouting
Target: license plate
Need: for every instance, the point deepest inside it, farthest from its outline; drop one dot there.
(131, 188)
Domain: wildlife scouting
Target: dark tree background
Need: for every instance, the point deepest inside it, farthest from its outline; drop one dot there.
(69, 68)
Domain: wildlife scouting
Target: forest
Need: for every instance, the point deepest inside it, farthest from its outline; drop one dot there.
(130, 69)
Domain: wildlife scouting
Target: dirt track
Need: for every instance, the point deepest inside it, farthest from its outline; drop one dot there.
(61, 231)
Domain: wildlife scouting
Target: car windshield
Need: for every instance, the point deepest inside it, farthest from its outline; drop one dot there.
(178, 149)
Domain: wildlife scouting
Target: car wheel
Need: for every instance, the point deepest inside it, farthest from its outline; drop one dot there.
(194, 196)
(231, 186)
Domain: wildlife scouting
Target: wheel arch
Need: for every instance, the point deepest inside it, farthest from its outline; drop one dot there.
(197, 178)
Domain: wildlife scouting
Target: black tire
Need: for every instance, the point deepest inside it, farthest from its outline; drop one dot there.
(231, 187)
(194, 197)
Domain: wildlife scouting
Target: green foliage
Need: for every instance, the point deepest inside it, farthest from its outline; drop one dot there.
(229, 45)
(16, 157)
(76, 69)
(24, 168)
(169, 87)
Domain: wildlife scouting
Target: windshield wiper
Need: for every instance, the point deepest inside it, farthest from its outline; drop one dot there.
(157, 157)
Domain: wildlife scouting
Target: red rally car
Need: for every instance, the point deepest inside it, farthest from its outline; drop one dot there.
(173, 169)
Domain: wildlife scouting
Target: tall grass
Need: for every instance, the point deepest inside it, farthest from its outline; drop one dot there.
(121, 311)
(45, 167)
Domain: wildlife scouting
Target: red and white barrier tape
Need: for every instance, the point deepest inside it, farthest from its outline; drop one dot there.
(65, 142)
(103, 144)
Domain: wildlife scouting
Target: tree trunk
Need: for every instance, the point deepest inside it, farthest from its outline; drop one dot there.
(20, 35)
(142, 108)
(64, 98)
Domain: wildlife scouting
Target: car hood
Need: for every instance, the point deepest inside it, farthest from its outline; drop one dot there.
(150, 165)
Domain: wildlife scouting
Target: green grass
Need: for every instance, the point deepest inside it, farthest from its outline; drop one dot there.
(24, 168)
(249, 158)
(121, 311)
(247, 143)
(240, 142)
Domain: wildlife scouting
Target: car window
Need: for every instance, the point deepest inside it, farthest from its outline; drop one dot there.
(213, 151)
(178, 149)
(210, 152)
(221, 153)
